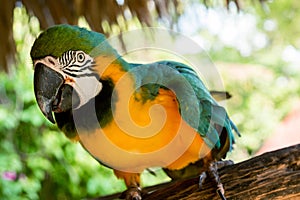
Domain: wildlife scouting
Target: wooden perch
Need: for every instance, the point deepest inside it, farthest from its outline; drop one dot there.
(272, 175)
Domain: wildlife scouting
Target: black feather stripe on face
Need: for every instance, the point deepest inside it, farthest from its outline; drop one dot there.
(101, 104)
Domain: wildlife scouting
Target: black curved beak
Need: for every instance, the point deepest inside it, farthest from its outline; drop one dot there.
(47, 83)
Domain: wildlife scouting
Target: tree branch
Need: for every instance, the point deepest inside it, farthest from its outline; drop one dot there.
(272, 175)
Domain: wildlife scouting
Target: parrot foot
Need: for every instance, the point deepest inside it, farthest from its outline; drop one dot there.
(212, 172)
(132, 193)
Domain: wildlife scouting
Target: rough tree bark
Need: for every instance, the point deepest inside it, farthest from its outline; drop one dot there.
(272, 175)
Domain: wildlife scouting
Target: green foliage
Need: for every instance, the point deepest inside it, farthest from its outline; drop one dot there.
(285, 16)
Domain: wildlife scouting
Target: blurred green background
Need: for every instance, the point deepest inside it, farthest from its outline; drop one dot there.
(256, 50)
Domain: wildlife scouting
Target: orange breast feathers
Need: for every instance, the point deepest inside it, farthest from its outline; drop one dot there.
(145, 133)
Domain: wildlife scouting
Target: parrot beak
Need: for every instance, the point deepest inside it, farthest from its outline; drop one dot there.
(47, 83)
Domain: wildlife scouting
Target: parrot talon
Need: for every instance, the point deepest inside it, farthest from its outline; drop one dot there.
(132, 193)
(202, 178)
(221, 191)
(212, 172)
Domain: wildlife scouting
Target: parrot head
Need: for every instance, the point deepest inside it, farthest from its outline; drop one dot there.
(64, 67)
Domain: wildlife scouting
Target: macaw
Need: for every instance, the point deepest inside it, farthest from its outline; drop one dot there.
(129, 117)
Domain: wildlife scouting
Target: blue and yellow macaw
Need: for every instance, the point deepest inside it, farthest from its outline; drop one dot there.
(129, 117)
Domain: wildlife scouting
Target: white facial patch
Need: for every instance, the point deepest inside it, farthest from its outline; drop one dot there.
(87, 88)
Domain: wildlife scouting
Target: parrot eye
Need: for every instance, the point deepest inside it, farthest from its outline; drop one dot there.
(80, 57)
(76, 63)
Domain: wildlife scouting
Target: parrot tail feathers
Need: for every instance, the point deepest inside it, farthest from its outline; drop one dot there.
(233, 126)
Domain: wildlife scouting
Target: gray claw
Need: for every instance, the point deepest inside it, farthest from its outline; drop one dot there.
(202, 178)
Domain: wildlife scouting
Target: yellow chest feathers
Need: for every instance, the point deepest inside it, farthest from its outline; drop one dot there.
(143, 133)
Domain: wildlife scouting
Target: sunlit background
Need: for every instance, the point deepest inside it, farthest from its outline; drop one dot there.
(256, 51)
